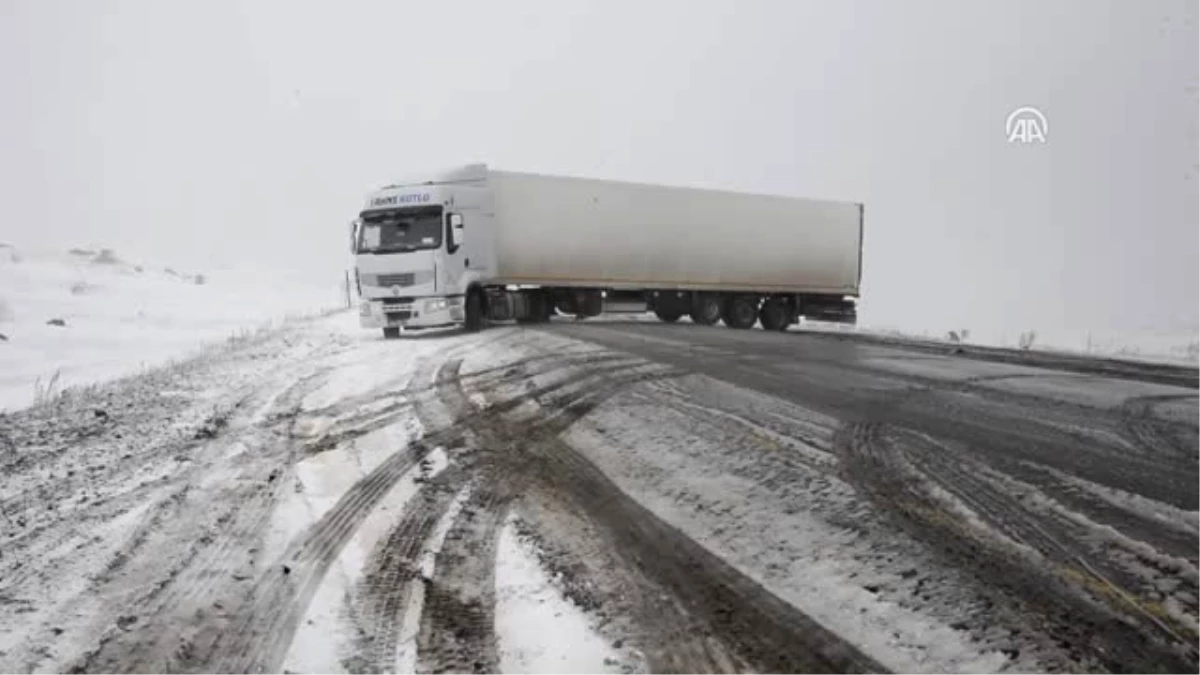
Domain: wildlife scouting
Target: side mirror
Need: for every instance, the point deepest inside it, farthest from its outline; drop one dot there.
(455, 221)
(354, 224)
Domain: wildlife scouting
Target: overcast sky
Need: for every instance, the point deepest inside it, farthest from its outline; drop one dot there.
(213, 133)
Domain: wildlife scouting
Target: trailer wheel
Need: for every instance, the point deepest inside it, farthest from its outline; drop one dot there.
(473, 319)
(706, 309)
(391, 332)
(667, 315)
(774, 314)
(741, 312)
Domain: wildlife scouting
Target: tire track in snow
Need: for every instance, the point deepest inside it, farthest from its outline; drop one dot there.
(961, 514)
(807, 451)
(1170, 529)
(392, 574)
(260, 636)
(457, 626)
(457, 631)
(633, 609)
(1155, 435)
(763, 629)
(1110, 567)
(760, 628)
(377, 625)
(178, 611)
(158, 550)
(739, 613)
(457, 623)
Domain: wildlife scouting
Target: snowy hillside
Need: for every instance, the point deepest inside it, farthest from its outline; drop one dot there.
(81, 316)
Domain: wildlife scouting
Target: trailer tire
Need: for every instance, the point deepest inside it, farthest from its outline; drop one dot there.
(774, 315)
(741, 312)
(706, 309)
(667, 315)
(473, 311)
(391, 332)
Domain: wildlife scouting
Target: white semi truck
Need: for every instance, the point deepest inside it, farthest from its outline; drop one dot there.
(472, 245)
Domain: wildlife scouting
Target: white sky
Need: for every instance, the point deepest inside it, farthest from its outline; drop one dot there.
(212, 133)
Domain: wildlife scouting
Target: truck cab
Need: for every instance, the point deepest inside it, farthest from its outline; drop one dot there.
(418, 247)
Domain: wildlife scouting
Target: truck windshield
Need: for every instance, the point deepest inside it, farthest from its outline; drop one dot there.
(400, 230)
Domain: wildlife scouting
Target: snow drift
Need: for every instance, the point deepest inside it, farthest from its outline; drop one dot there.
(83, 316)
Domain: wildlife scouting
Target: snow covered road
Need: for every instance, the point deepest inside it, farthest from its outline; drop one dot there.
(598, 498)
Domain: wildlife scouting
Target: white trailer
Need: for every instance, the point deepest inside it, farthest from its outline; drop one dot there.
(474, 245)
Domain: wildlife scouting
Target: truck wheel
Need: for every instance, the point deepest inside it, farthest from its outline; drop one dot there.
(668, 315)
(741, 312)
(391, 332)
(773, 315)
(473, 319)
(706, 309)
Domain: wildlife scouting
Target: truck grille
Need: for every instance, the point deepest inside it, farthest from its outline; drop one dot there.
(401, 279)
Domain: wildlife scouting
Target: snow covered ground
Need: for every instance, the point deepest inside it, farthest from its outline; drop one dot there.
(314, 498)
(540, 630)
(119, 317)
(301, 438)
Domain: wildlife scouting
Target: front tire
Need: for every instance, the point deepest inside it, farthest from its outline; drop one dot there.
(741, 312)
(391, 332)
(473, 312)
(706, 309)
(774, 315)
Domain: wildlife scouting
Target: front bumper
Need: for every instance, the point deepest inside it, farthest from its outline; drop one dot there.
(417, 313)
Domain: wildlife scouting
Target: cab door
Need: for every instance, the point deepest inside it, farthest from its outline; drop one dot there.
(457, 258)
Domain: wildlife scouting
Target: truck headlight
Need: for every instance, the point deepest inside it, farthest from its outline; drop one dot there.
(435, 304)
(364, 309)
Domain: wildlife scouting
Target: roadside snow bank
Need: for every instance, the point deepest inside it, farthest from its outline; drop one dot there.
(85, 316)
